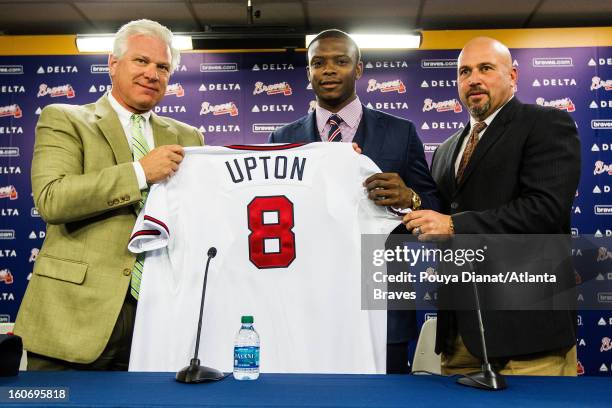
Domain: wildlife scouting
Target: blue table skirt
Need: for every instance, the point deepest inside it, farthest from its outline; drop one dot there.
(121, 389)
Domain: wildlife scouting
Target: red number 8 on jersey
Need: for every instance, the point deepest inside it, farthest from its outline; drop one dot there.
(271, 241)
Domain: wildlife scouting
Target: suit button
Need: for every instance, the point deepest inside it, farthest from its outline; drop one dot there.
(127, 198)
(454, 205)
(116, 201)
(127, 272)
(110, 203)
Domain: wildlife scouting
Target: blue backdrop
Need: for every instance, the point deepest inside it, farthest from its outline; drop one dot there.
(242, 97)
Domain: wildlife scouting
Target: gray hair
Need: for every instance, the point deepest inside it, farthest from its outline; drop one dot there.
(147, 28)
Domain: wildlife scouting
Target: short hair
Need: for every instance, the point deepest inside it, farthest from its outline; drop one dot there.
(335, 33)
(147, 28)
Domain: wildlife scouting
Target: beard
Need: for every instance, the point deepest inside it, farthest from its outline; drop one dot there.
(478, 111)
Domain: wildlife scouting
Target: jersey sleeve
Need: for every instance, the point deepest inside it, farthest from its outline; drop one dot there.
(151, 230)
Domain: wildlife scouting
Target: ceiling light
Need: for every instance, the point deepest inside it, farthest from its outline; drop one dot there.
(104, 42)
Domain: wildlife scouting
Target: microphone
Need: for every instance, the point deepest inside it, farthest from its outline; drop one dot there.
(486, 378)
(194, 372)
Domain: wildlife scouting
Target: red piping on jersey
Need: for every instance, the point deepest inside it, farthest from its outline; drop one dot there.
(286, 146)
(145, 232)
(158, 222)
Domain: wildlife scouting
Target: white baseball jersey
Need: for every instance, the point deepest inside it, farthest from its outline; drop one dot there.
(287, 222)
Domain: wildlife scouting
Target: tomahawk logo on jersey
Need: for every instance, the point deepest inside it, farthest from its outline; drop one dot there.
(287, 222)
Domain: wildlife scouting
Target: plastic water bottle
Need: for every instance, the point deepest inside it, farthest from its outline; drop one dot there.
(246, 351)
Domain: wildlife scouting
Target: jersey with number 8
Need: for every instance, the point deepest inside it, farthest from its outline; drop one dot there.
(287, 223)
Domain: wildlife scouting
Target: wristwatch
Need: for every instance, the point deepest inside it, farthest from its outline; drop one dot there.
(416, 201)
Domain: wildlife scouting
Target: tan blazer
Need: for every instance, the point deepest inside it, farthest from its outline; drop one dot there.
(85, 188)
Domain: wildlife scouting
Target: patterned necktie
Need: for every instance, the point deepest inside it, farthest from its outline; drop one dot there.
(469, 148)
(334, 134)
(140, 148)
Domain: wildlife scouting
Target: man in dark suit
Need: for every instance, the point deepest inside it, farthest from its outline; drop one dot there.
(514, 169)
(334, 64)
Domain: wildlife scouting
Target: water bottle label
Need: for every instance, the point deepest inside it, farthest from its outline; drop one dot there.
(246, 357)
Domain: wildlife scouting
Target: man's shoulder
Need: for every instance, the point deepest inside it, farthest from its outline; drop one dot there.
(291, 132)
(293, 125)
(69, 110)
(531, 110)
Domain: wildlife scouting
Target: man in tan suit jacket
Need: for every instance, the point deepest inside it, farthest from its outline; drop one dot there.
(77, 312)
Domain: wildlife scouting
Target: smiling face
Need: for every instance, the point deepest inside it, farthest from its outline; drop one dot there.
(485, 76)
(141, 74)
(333, 69)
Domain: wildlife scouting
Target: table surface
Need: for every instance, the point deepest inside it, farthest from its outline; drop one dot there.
(122, 389)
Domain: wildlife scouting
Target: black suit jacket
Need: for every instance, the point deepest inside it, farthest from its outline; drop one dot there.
(521, 179)
(393, 144)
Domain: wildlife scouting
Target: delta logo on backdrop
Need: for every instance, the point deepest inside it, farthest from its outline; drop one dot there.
(58, 69)
(12, 89)
(381, 64)
(219, 87)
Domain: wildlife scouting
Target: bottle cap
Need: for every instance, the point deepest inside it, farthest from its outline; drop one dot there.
(246, 319)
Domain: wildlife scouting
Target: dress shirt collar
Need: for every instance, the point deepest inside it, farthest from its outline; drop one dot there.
(489, 118)
(350, 114)
(124, 114)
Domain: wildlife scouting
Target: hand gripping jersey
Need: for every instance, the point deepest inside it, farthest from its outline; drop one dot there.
(287, 223)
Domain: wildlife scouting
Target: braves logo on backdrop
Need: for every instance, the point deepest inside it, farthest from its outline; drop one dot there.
(228, 108)
(601, 168)
(56, 91)
(175, 89)
(565, 104)
(388, 86)
(11, 110)
(597, 83)
(442, 106)
(6, 276)
(274, 89)
(9, 192)
(603, 254)
(606, 344)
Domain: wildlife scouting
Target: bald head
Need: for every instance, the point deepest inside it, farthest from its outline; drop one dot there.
(485, 76)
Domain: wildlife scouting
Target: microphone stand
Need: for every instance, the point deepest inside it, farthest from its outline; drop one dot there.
(194, 372)
(486, 378)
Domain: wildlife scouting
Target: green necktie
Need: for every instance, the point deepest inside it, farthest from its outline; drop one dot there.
(140, 148)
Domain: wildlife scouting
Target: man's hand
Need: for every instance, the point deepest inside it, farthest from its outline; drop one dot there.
(388, 189)
(162, 162)
(356, 148)
(428, 224)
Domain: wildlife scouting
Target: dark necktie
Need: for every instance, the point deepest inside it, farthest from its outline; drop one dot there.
(334, 134)
(469, 148)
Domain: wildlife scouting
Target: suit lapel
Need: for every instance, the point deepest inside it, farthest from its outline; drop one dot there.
(310, 128)
(111, 128)
(490, 137)
(370, 133)
(453, 151)
(162, 133)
